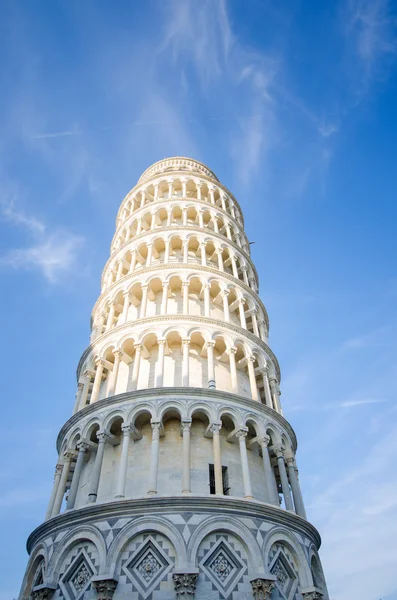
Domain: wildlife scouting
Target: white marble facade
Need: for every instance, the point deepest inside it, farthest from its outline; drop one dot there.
(177, 474)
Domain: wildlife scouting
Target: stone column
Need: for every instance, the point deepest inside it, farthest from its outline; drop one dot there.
(201, 220)
(154, 458)
(268, 397)
(226, 312)
(184, 216)
(169, 217)
(96, 471)
(139, 226)
(233, 370)
(170, 189)
(284, 479)
(215, 222)
(80, 387)
(184, 182)
(88, 375)
(133, 261)
(245, 276)
(164, 299)
(223, 202)
(251, 374)
(185, 584)
(242, 314)
(185, 363)
(296, 490)
(143, 198)
(241, 435)
(126, 306)
(220, 260)
(67, 459)
(206, 290)
(270, 480)
(274, 390)
(211, 364)
(156, 191)
(115, 372)
(57, 478)
(166, 251)
(109, 322)
(149, 255)
(185, 425)
(216, 441)
(203, 255)
(104, 588)
(198, 185)
(262, 587)
(263, 332)
(82, 448)
(97, 381)
(185, 295)
(153, 221)
(234, 266)
(212, 198)
(119, 270)
(122, 475)
(313, 594)
(142, 314)
(135, 368)
(255, 323)
(160, 362)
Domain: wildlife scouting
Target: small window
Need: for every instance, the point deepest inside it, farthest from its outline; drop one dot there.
(225, 480)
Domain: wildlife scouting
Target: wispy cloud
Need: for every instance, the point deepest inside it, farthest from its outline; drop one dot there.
(41, 136)
(52, 254)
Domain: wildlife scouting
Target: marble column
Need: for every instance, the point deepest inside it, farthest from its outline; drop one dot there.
(206, 289)
(313, 594)
(154, 458)
(268, 396)
(203, 255)
(133, 262)
(126, 307)
(220, 260)
(57, 478)
(135, 368)
(97, 381)
(149, 255)
(233, 370)
(262, 330)
(241, 435)
(143, 198)
(67, 459)
(226, 312)
(255, 323)
(184, 183)
(43, 592)
(123, 465)
(216, 442)
(109, 322)
(96, 471)
(270, 480)
(88, 376)
(164, 299)
(119, 273)
(185, 363)
(153, 221)
(199, 191)
(185, 247)
(201, 220)
(80, 388)
(234, 266)
(82, 448)
(284, 479)
(296, 490)
(160, 363)
(184, 216)
(185, 296)
(115, 372)
(142, 313)
(211, 364)
(252, 378)
(156, 191)
(185, 426)
(242, 314)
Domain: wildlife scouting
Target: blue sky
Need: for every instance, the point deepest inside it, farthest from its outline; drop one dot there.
(293, 105)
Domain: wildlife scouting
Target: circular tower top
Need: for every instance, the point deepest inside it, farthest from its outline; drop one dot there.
(177, 163)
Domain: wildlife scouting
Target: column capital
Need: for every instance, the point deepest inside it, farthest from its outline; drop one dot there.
(242, 432)
(278, 451)
(185, 584)
(312, 594)
(210, 344)
(262, 587)
(126, 293)
(80, 385)
(117, 354)
(185, 342)
(264, 441)
(232, 350)
(104, 588)
(102, 436)
(84, 446)
(225, 293)
(126, 428)
(69, 455)
(186, 425)
(161, 342)
(215, 427)
(138, 347)
(43, 592)
(58, 469)
(251, 358)
(89, 374)
(100, 362)
(290, 460)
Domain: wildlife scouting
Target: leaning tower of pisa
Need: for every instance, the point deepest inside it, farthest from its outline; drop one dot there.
(176, 475)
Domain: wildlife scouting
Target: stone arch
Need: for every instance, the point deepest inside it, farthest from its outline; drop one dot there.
(143, 525)
(140, 410)
(71, 539)
(317, 570)
(285, 538)
(227, 525)
(254, 420)
(172, 406)
(199, 407)
(38, 556)
(90, 427)
(113, 416)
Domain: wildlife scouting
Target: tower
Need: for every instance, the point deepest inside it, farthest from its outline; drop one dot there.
(176, 475)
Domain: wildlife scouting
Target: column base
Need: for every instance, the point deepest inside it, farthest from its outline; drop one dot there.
(211, 384)
(119, 496)
(92, 498)
(152, 493)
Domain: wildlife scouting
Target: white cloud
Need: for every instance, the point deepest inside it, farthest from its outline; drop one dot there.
(14, 215)
(53, 257)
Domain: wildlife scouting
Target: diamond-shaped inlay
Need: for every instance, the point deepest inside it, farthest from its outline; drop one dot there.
(77, 577)
(223, 566)
(286, 578)
(148, 566)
